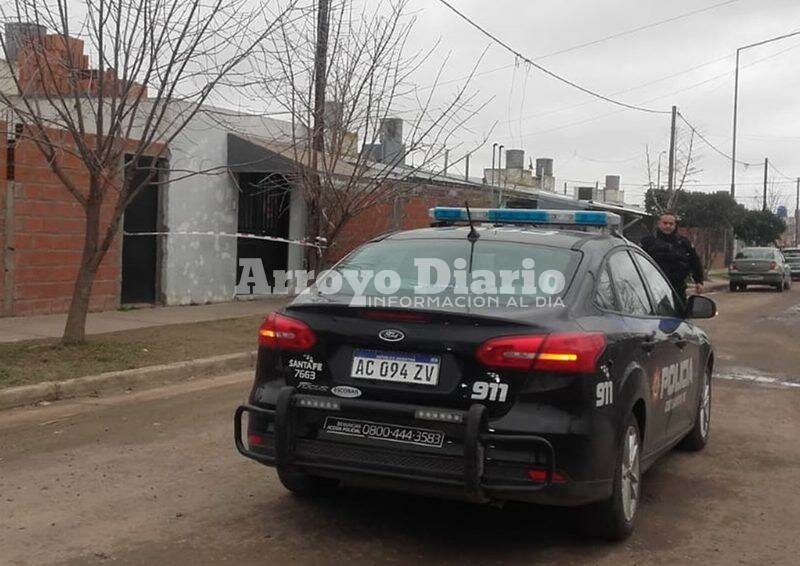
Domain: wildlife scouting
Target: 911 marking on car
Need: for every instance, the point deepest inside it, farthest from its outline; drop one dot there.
(489, 391)
(604, 393)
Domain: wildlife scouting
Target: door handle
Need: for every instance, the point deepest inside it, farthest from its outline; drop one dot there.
(679, 342)
(648, 345)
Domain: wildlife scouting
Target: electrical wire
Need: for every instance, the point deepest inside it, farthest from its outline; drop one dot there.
(593, 42)
(546, 71)
(781, 173)
(711, 145)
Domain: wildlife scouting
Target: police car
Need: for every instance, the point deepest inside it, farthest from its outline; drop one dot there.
(560, 385)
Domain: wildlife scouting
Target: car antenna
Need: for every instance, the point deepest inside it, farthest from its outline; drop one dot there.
(473, 233)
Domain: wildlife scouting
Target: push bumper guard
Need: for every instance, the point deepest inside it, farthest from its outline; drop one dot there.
(476, 438)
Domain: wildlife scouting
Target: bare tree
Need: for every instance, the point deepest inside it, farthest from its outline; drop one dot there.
(157, 64)
(686, 170)
(368, 76)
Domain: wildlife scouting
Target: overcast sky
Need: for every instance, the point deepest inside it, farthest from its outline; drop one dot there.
(687, 62)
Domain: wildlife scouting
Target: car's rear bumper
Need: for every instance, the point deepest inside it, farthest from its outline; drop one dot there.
(756, 278)
(479, 464)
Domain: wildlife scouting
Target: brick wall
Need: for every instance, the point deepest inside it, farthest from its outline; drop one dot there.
(407, 211)
(48, 237)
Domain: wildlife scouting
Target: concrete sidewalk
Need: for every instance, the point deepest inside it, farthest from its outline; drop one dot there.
(15, 329)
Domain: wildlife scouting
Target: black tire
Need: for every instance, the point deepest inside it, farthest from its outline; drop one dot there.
(305, 485)
(779, 287)
(733, 287)
(608, 519)
(697, 438)
(743, 287)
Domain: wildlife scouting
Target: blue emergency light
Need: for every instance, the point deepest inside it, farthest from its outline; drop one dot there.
(526, 216)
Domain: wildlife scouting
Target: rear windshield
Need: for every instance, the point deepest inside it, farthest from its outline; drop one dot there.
(441, 268)
(756, 253)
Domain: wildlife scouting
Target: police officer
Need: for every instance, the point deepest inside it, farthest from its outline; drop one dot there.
(674, 254)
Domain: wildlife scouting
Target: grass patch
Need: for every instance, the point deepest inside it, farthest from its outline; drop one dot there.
(23, 363)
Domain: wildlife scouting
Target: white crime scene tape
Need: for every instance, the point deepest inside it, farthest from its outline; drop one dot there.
(229, 235)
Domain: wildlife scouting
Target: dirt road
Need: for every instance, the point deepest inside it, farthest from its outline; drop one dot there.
(153, 478)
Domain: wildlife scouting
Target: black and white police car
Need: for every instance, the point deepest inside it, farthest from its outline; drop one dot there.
(561, 386)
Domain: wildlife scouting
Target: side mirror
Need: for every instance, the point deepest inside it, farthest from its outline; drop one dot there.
(700, 307)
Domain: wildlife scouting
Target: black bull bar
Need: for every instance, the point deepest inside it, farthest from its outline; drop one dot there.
(476, 438)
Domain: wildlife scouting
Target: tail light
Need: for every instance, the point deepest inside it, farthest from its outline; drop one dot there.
(539, 475)
(773, 266)
(285, 333)
(572, 352)
(734, 267)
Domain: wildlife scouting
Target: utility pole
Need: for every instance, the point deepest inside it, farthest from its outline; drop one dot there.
(671, 179)
(796, 214)
(320, 73)
(466, 168)
(318, 133)
(766, 164)
(446, 160)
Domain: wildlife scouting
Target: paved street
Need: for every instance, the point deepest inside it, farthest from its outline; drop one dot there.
(153, 477)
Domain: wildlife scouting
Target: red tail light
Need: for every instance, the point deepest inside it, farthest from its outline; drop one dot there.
(572, 352)
(734, 267)
(539, 475)
(285, 333)
(773, 266)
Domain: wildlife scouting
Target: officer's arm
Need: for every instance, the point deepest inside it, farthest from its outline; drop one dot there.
(695, 264)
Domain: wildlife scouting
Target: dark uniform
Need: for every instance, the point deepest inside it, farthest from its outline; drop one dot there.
(677, 258)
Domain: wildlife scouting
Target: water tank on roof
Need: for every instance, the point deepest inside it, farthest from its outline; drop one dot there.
(612, 182)
(544, 167)
(515, 159)
(392, 140)
(17, 33)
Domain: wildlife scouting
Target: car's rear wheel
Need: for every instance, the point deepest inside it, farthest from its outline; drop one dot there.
(306, 485)
(733, 287)
(613, 519)
(698, 437)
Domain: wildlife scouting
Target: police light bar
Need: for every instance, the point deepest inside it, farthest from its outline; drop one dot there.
(526, 216)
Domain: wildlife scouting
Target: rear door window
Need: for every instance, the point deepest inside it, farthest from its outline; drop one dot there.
(630, 288)
(663, 296)
(604, 296)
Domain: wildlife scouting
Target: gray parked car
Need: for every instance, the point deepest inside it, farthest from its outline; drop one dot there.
(792, 256)
(760, 266)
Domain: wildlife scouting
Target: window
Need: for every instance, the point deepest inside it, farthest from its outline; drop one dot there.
(415, 260)
(663, 296)
(756, 253)
(630, 289)
(605, 298)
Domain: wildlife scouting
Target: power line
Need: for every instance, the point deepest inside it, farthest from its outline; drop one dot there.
(779, 172)
(545, 70)
(640, 28)
(594, 42)
(711, 145)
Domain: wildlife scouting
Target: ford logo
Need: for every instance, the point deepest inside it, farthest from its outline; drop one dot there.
(391, 335)
(346, 391)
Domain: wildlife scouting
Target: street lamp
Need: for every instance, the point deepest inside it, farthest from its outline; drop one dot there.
(736, 101)
(658, 177)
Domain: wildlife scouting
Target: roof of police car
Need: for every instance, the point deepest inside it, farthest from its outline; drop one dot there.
(542, 235)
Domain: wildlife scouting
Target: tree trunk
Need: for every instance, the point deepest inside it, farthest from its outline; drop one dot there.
(75, 329)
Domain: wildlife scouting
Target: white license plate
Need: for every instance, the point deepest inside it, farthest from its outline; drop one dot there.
(754, 277)
(397, 367)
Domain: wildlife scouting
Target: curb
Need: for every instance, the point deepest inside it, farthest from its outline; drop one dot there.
(118, 381)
